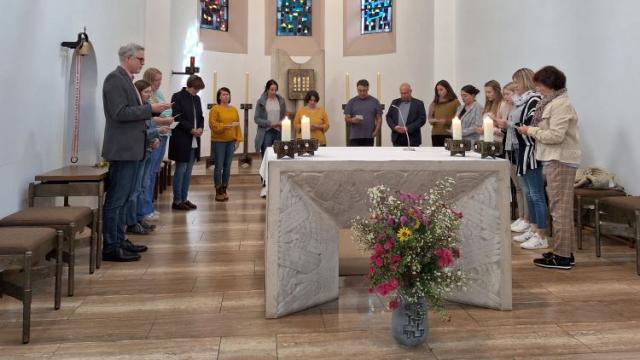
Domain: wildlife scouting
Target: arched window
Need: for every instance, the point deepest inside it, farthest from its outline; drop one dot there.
(293, 18)
(214, 14)
(376, 16)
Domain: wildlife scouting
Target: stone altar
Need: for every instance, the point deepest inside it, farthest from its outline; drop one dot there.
(310, 199)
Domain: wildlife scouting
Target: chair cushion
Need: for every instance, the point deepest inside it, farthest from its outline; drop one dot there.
(18, 240)
(624, 203)
(50, 216)
(597, 193)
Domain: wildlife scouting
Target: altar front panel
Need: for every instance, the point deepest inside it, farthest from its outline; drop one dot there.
(311, 199)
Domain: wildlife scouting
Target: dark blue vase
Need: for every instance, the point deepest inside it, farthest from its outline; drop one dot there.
(409, 322)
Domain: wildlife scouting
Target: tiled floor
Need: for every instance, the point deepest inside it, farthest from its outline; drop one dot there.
(199, 294)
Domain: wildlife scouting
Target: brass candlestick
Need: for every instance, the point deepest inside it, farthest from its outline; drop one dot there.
(457, 147)
(488, 148)
(306, 147)
(285, 148)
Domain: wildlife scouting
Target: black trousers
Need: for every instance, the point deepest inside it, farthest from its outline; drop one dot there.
(361, 142)
(438, 140)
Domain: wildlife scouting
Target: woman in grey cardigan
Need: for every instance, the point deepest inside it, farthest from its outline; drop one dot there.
(470, 113)
(270, 110)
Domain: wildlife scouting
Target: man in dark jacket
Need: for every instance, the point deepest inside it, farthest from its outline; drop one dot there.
(123, 146)
(406, 116)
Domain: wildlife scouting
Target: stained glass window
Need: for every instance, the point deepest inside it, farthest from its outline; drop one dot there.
(215, 14)
(294, 18)
(376, 16)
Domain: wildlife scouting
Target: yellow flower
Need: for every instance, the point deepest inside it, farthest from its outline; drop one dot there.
(417, 224)
(403, 233)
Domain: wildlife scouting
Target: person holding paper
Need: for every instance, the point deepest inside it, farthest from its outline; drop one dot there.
(184, 145)
(406, 116)
(441, 111)
(224, 122)
(270, 110)
(470, 113)
(364, 114)
(318, 119)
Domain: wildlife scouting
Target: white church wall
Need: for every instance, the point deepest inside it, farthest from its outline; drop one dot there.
(593, 41)
(412, 62)
(34, 82)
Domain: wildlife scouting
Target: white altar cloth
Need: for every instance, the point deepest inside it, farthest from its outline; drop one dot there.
(311, 198)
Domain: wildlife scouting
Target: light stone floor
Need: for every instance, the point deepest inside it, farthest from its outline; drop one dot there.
(198, 294)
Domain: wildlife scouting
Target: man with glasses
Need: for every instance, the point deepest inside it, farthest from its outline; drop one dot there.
(364, 114)
(124, 147)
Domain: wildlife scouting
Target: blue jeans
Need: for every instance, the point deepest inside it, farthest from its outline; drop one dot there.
(533, 189)
(120, 186)
(223, 153)
(131, 208)
(182, 179)
(149, 182)
(142, 207)
(269, 137)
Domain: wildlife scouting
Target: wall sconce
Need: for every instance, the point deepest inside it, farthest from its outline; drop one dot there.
(82, 44)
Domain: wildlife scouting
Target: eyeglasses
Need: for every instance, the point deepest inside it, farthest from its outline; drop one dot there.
(141, 59)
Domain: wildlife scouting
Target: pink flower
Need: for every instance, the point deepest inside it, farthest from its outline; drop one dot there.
(371, 290)
(378, 249)
(445, 257)
(395, 259)
(394, 304)
(388, 245)
(403, 220)
(377, 260)
(372, 269)
(457, 214)
(382, 289)
(390, 221)
(393, 284)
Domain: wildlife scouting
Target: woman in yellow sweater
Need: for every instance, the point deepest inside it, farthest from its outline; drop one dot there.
(226, 134)
(317, 118)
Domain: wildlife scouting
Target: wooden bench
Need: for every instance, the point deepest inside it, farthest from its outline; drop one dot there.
(620, 210)
(584, 205)
(20, 249)
(70, 220)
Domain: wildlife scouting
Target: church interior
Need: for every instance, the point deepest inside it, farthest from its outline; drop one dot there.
(282, 249)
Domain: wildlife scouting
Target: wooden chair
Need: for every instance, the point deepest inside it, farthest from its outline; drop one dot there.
(584, 204)
(20, 249)
(70, 220)
(619, 215)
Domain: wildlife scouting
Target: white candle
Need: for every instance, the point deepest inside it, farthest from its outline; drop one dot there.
(306, 127)
(215, 86)
(487, 126)
(246, 88)
(379, 87)
(347, 87)
(286, 129)
(456, 128)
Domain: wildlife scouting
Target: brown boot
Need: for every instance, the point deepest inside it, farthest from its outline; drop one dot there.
(219, 194)
(224, 193)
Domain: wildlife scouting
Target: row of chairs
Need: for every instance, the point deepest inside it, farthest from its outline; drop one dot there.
(610, 212)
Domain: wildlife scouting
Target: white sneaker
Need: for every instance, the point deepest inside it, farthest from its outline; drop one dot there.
(151, 217)
(520, 225)
(263, 192)
(156, 212)
(524, 237)
(536, 242)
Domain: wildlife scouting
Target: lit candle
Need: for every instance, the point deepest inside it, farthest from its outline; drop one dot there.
(456, 128)
(306, 127)
(215, 86)
(487, 126)
(379, 87)
(286, 129)
(246, 88)
(347, 87)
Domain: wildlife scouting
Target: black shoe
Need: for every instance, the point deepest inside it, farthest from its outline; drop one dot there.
(191, 205)
(133, 248)
(549, 254)
(137, 229)
(147, 226)
(180, 206)
(120, 255)
(554, 262)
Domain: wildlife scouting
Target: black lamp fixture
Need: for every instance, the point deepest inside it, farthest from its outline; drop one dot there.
(82, 43)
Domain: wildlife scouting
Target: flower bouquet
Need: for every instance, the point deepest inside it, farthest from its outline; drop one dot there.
(413, 240)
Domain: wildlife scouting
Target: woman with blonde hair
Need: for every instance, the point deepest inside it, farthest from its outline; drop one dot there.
(529, 168)
(493, 98)
(506, 123)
